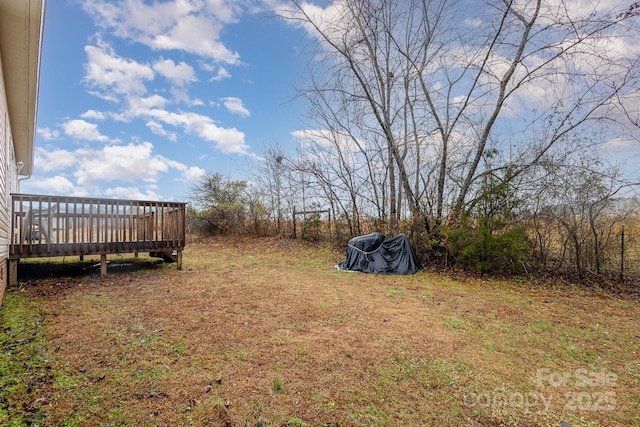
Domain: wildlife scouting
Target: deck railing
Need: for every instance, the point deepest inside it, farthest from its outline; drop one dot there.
(48, 226)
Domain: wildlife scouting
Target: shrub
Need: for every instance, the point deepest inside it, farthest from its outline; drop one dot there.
(486, 251)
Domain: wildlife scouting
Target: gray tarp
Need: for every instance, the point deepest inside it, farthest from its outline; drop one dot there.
(373, 254)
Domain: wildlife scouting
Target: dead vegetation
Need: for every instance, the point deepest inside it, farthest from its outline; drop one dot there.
(261, 332)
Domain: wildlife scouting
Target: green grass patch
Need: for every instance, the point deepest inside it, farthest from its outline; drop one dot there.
(277, 385)
(24, 364)
(453, 322)
(393, 292)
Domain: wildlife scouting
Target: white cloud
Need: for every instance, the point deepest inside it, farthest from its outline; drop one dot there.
(93, 114)
(194, 174)
(332, 20)
(109, 72)
(179, 74)
(176, 165)
(133, 162)
(576, 9)
(222, 74)
(140, 105)
(624, 152)
(195, 34)
(235, 106)
(326, 141)
(83, 130)
(48, 134)
(56, 185)
(49, 159)
(473, 22)
(227, 140)
(131, 193)
(157, 129)
(119, 162)
(104, 95)
(617, 144)
(180, 94)
(192, 26)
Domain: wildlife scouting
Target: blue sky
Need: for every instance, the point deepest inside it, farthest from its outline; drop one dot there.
(139, 101)
(140, 98)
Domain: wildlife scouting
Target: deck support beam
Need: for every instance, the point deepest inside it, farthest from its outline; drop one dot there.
(179, 260)
(13, 272)
(103, 265)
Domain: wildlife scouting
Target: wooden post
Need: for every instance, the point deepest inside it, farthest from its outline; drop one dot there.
(294, 223)
(179, 260)
(622, 255)
(103, 265)
(13, 271)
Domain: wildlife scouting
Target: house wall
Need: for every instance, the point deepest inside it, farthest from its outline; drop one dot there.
(8, 183)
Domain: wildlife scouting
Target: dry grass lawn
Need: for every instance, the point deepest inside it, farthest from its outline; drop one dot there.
(264, 332)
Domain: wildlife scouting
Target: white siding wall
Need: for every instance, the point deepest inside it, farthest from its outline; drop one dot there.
(8, 180)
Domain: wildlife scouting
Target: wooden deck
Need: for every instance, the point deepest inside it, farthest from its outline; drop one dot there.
(52, 226)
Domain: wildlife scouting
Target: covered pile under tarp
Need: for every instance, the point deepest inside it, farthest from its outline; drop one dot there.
(373, 254)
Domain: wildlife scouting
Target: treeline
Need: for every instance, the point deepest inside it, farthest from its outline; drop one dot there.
(587, 229)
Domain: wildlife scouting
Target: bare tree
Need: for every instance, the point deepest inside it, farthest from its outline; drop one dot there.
(585, 211)
(270, 174)
(441, 86)
(576, 203)
(363, 85)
